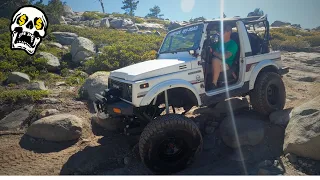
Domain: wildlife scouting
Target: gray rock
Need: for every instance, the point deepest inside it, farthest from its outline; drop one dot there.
(62, 20)
(249, 128)
(281, 117)
(65, 38)
(61, 83)
(55, 44)
(61, 127)
(53, 63)
(37, 85)
(18, 78)
(15, 119)
(65, 47)
(150, 26)
(292, 158)
(302, 135)
(122, 24)
(110, 124)
(157, 33)
(81, 48)
(67, 11)
(95, 83)
(48, 112)
(147, 32)
(105, 23)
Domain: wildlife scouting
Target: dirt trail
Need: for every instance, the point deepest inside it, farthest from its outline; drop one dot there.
(101, 152)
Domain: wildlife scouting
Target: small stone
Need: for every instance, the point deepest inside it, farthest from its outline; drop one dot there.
(127, 160)
(275, 163)
(48, 112)
(62, 83)
(300, 161)
(265, 163)
(304, 164)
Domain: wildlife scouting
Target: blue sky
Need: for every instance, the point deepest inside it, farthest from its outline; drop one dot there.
(304, 12)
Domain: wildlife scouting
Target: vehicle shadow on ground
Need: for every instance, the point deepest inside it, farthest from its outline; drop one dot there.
(107, 156)
(43, 146)
(219, 159)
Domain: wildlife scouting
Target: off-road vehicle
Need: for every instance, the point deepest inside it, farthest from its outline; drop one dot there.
(142, 93)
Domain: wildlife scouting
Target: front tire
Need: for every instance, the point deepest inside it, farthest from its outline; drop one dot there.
(169, 143)
(269, 93)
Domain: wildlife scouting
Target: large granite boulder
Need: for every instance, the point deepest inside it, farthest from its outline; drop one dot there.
(81, 49)
(65, 38)
(53, 63)
(61, 127)
(15, 119)
(95, 83)
(302, 135)
(18, 78)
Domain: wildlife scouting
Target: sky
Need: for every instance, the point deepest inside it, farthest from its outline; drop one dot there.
(303, 12)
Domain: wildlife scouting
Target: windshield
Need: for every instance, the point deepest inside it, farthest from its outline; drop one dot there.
(184, 39)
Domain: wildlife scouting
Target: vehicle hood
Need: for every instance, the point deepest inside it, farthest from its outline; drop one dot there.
(151, 68)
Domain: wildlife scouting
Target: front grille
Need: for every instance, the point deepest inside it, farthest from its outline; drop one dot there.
(126, 89)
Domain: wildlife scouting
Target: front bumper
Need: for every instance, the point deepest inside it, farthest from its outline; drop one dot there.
(104, 109)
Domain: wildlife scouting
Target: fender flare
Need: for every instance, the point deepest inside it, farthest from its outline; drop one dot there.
(170, 84)
(258, 68)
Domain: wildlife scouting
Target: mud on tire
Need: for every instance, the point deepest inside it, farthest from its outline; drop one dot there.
(268, 94)
(169, 143)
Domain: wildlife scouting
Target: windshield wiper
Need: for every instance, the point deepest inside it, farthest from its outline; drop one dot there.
(175, 51)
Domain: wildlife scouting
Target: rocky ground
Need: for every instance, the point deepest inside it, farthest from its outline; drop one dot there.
(98, 151)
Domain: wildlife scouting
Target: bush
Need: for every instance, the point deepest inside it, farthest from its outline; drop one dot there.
(13, 96)
(313, 40)
(289, 45)
(90, 15)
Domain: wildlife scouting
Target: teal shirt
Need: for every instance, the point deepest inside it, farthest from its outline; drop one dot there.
(229, 46)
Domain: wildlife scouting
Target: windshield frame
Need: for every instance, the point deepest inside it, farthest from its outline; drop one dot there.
(195, 46)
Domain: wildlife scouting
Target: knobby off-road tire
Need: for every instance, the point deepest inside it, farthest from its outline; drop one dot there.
(169, 143)
(269, 93)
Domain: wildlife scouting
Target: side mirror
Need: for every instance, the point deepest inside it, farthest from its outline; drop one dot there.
(191, 52)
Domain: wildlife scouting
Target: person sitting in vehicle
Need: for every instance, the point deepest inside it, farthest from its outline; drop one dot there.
(230, 51)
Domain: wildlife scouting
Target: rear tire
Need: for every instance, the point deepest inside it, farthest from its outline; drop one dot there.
(269, 93)
(169, 143)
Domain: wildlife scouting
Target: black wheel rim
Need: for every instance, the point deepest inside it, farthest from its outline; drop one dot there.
(273, 94)
(172, 149)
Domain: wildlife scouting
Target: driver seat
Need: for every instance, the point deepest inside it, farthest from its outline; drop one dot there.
(233, 72)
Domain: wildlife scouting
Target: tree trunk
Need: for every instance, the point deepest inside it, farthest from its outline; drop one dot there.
(102, 6)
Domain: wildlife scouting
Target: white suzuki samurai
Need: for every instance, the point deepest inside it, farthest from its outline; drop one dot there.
(141, 93)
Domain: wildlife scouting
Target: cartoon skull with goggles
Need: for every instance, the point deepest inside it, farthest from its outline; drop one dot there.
(28, 28)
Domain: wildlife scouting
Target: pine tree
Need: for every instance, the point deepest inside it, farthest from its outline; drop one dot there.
(155, 12)
(130, 6)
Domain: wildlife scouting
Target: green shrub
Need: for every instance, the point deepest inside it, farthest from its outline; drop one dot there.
(90, 15)
(313, 40)
(289, 45)
(13, 96)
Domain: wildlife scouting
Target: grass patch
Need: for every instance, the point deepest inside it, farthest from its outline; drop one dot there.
(16, 95)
